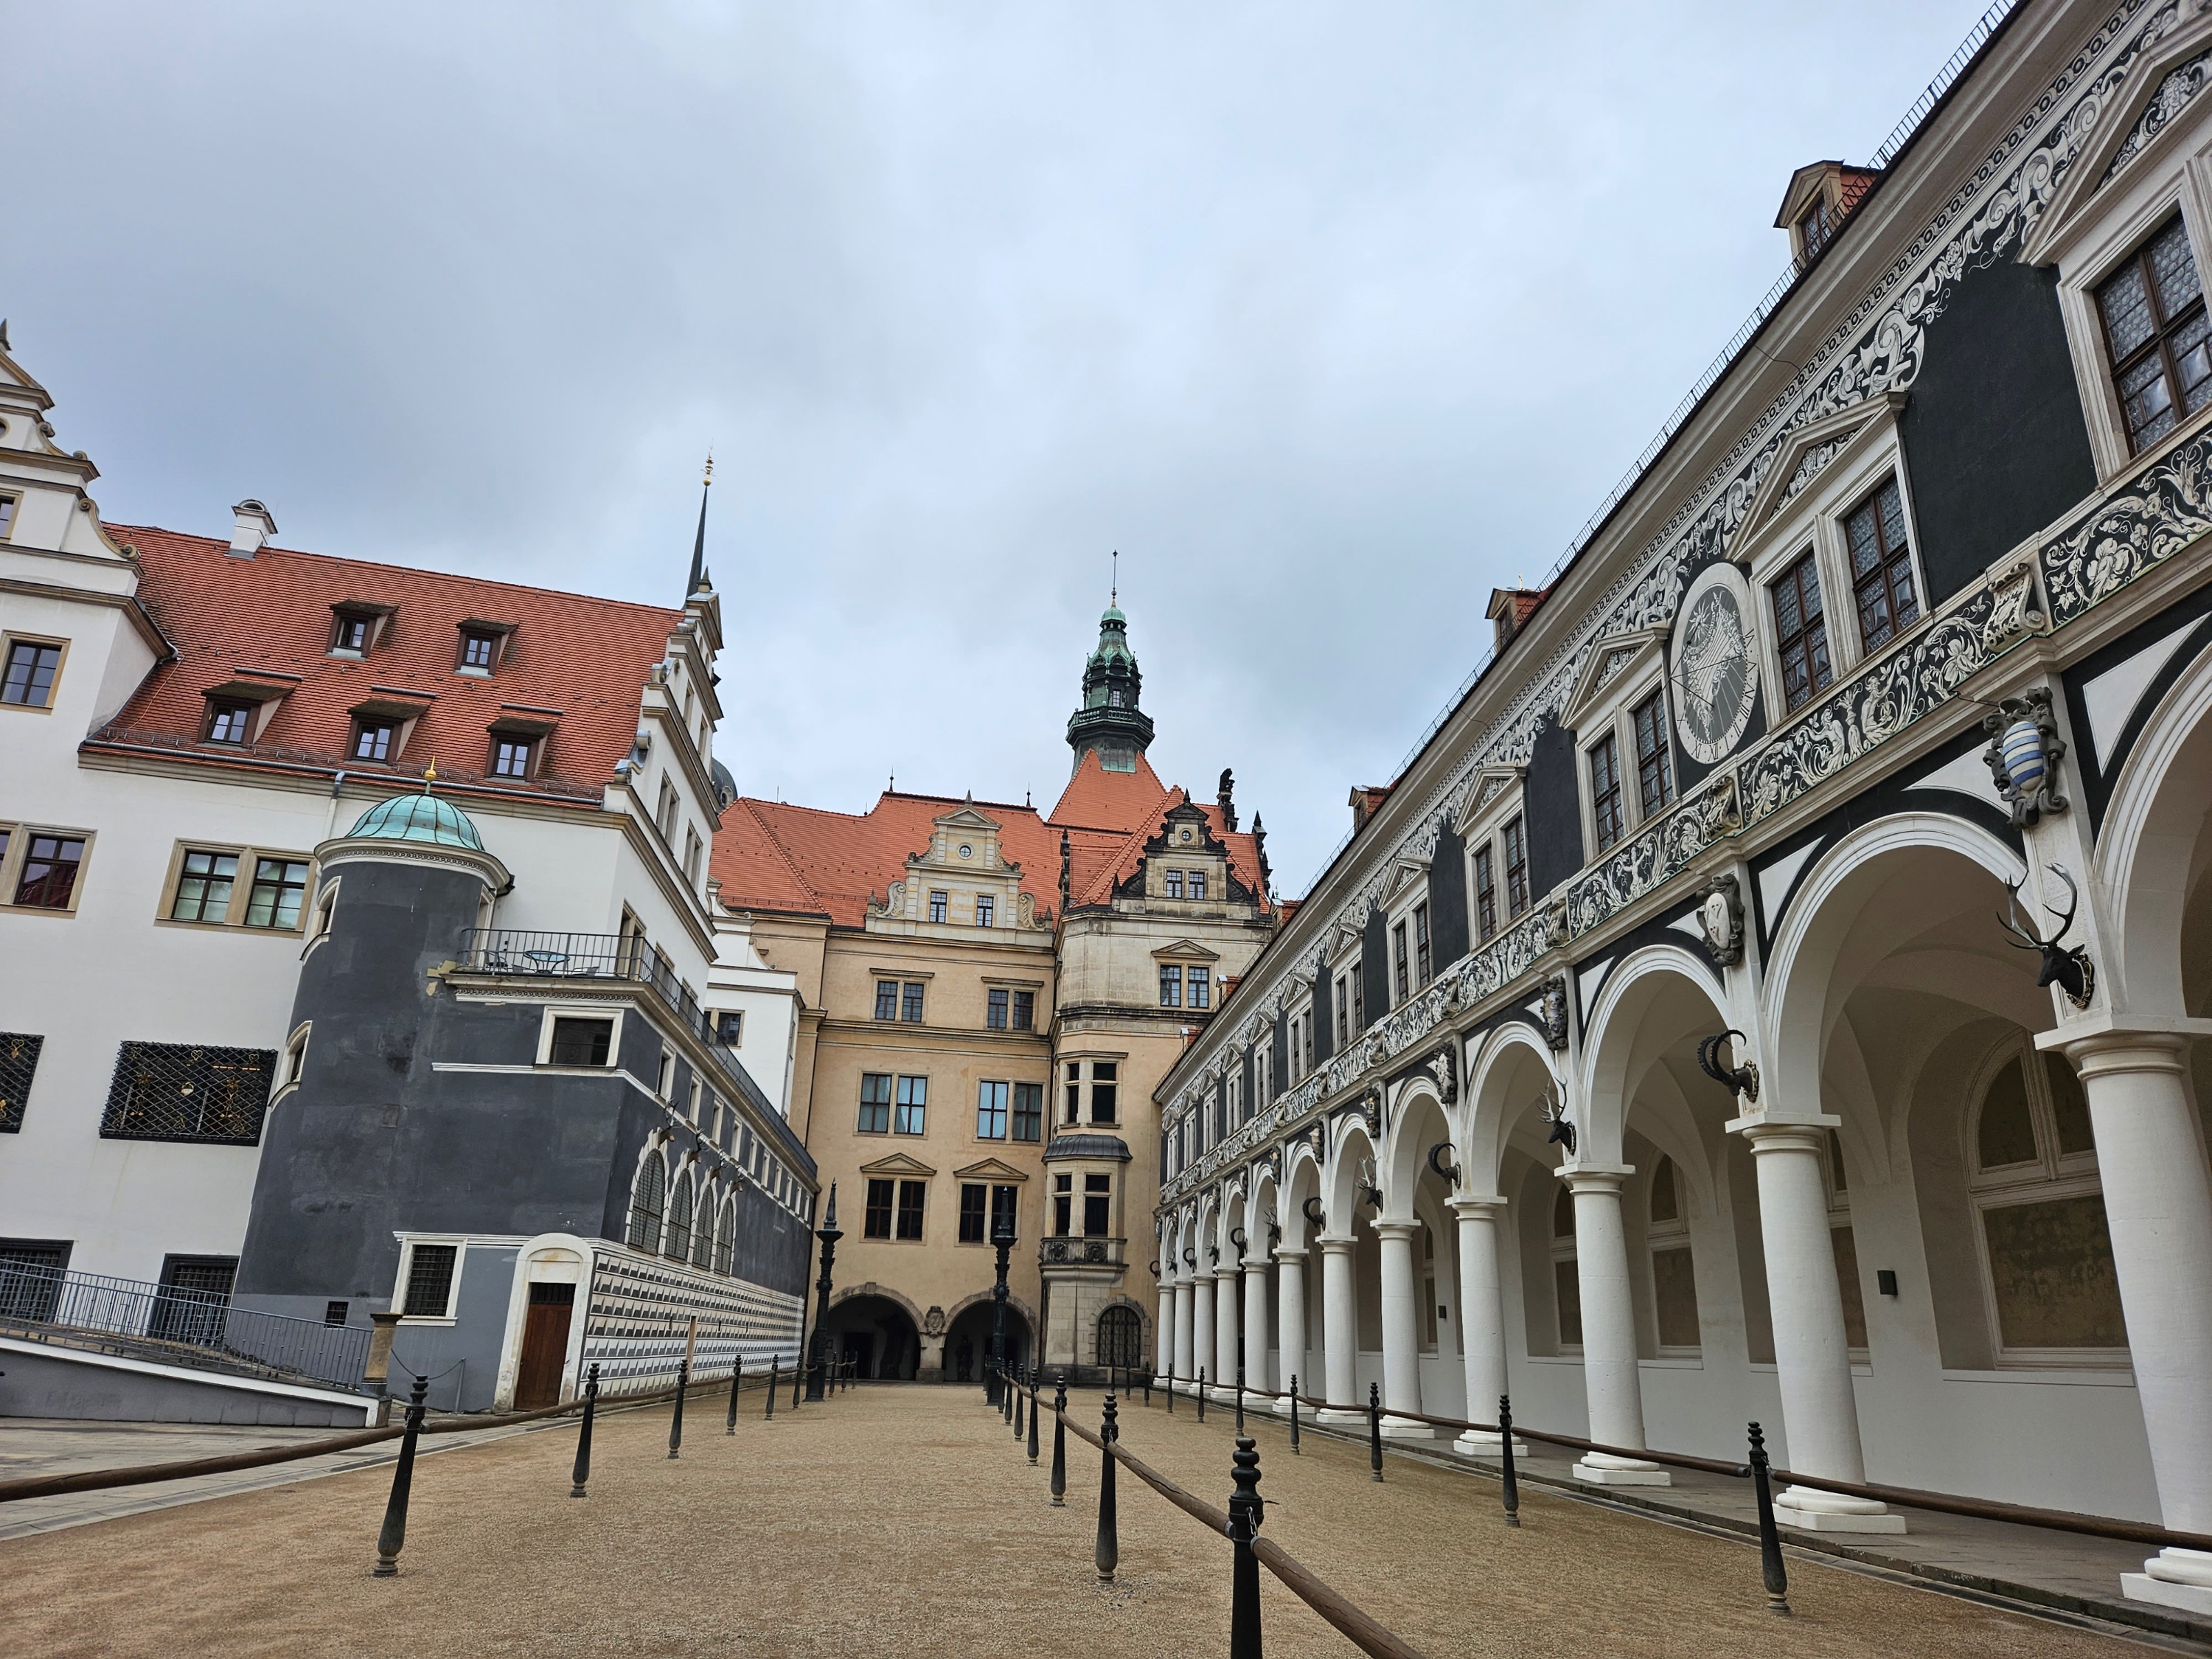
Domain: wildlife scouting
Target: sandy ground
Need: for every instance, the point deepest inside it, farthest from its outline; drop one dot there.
(906, 1521)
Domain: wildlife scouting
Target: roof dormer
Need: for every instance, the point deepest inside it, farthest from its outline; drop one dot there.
(1820, 198)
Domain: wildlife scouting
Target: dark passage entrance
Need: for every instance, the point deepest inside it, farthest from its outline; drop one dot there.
(544, 1346)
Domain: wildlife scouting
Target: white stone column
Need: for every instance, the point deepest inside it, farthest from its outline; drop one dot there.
(1340, 1334)
(1401, 1332)
(1614, 1386)
(1482, 1321)
(1201, 1326)
(1186, 1309)
(1164, 1329)
(1255, 1323)
(1290, 1320)
(1224, 1376)
(1812, 1354)
(2158, 1207)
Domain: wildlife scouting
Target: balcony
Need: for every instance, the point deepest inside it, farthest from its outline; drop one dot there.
(1076, 1251)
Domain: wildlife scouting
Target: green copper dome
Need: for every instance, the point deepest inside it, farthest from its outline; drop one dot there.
(421, 819)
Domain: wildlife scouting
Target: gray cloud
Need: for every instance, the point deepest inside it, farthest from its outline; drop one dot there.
(1329, 318)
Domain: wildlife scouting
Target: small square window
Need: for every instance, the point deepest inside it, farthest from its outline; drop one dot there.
(510, 755)
(350, 631)
(334, 1313)
(478, 650)
(48, 881)
(280, 889)
(730, 1027)
(430, 1280)
(29, 681)
(229, 722)
(373, 739)
(204, 886)
(581, 1042)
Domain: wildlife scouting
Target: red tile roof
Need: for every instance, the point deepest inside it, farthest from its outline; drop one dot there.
(772, 856)
(576, 661)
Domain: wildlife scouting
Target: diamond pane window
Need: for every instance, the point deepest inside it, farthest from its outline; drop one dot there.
(1605, 792)
(2156, 333)
(1882, 567)
(1801, 630)
(182, 1091)
(1486, 895)
(1655, 778)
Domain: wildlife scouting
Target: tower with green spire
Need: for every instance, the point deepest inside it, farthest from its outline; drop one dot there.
(1110, 719)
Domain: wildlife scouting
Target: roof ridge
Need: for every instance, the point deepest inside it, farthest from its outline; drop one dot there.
(214, 542)
(775, 844)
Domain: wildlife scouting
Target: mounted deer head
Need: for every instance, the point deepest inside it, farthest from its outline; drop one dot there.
(1370, 1193)
(1563, 1129)
(1742, 1080)
(2069, 969)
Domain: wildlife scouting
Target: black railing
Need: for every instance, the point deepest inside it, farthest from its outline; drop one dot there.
(523, 953)
(163, 1323)
(402, 774)
(1094, 1251)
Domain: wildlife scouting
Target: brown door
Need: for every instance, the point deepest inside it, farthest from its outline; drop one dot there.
(544, 1346)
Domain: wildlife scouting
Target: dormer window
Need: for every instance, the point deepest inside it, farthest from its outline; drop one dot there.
(1815, 226)
(357, 625)
(2156, 336)
(350, 632)
(373, 739)
(229, 721)
(483, 644)
(511, 756)
(477, 649)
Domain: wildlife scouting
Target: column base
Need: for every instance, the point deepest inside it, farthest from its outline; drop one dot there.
(1221, 1397)
(1484, 1443)
(2174, 1578)
(1335, 1417)
(1404, 1428)
(1604, 1469)
(1807, 1509)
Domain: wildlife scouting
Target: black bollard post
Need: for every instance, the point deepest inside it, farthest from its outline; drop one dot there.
(737, 1372)
(1171, 1382)
(1060, 1442)
(773, 1383)
(1510, 1487)
(1201, 1393)
(1033, 1417)
(1016, 1390)
(676, 1418)
(797, 1377)
(1108, 1555)
(393, 1536)
(1244, 1516)
(1240, 1399)
(1006, 1393)
(1374, 1428)
(1148, 1390)
(1295, 1452)
(1771, 1568)
(582, 1472)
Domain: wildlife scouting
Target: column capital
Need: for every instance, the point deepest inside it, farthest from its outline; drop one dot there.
(1334, 1244)
(1258, 1266)
(1787, 1135)
(1482, 1207)
(1282, 1255)
(2102, 1044)
(1395, 1229)
(1595, 1178)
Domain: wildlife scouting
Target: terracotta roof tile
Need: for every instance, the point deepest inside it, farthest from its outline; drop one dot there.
(270, 616)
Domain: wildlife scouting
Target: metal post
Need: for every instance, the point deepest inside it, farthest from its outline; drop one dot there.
(1060, 1442)
(1002, 1235)
(1148, 1390)
(1108, 1555)
(1171, 1382)
(1511, 1487)
(1033, 1417)
(1771, 1568)
(1240, 1399)
(1295, 1452)
(582, 1472)
(1017, 1392)
(774, 1381)
(1201, 1393)
(1244, 1518)
(676, 1418)
(394, 1536)
(820, 1377)
(1374, 1428)
(736, 1374)
(798, 1374)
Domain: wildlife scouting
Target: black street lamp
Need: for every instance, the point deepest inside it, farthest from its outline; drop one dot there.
(1002, 1234)
(829, 1235)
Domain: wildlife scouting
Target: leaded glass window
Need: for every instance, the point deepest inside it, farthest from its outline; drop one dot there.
(2156, 334)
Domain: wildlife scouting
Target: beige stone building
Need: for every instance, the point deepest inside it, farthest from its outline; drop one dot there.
(988, 996)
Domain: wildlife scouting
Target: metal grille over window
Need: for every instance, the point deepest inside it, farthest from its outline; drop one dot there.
(176, 1092)
(19, 1059)
(430, 1280)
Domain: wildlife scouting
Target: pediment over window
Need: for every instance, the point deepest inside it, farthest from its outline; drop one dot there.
(1616, 659)
(2136, 120)
(1481, 791)
(898, 1164)
(1184, 950)
(1805, 455)
(991, 1169)
(1409, 871)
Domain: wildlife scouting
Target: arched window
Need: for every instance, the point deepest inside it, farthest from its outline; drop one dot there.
(1429, 1302)
(702, 1236)
(1674, 1282)
(1567, 1277)
(679, 1220)
(1121, 1337)
(725, 1237)
(2046, 1255)
(648, 1196)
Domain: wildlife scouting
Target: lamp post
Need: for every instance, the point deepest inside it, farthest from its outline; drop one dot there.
(1002, 1234)
(829, 1235)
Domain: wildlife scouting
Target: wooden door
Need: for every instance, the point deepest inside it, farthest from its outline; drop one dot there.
(544, 1346)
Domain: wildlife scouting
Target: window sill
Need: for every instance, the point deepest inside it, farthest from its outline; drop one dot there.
(37, 910)
(27, 708)
(446, 1320)
(2087, 1376)
(230, 927)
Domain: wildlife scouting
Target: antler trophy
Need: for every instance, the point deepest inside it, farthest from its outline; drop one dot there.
(1736, 1079)
(2069, 969)
(1555, 1114)
(1449, 1171)
(1368, 1192)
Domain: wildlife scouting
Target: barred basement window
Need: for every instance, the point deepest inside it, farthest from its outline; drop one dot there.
(179, 1091)
(430, 1281)
(19, 1059)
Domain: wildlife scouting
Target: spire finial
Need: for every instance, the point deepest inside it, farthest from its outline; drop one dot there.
(429, 776)
(1114, 594)
(699, 542)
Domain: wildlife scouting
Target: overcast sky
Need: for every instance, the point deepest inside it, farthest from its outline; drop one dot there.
(1329, 318)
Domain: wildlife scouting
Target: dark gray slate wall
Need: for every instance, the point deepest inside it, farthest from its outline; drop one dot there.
(1324, 1012)
(1552, 809)
(1448, 930)
(1995, 444)
(1282, 1049)
(83, 1387)
(1375, 965)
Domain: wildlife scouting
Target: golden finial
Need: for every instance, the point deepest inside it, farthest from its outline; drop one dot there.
(429, 776)
(709, 478)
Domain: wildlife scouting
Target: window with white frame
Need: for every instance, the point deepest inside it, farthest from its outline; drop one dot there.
(1566, 1273)
(429, 1279)
(1673, 1276)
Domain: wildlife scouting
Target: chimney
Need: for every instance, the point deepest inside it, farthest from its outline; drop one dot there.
(251, 528)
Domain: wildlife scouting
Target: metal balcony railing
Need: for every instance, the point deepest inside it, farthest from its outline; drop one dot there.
(1090, 1252)
(166, 1325)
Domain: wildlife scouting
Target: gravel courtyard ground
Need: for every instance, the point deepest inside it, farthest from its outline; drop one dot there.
(904, 1521)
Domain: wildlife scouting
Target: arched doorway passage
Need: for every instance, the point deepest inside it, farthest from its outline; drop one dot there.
(1120, 1338)
(878, 1335)
(968, 1342)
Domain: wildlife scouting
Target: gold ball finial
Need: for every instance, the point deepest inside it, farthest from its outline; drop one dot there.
(429, 776)
(709, 477)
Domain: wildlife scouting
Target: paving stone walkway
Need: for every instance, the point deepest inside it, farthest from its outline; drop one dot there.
(906, 1521)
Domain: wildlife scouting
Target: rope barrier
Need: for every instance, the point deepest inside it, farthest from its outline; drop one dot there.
(2094, 1526)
